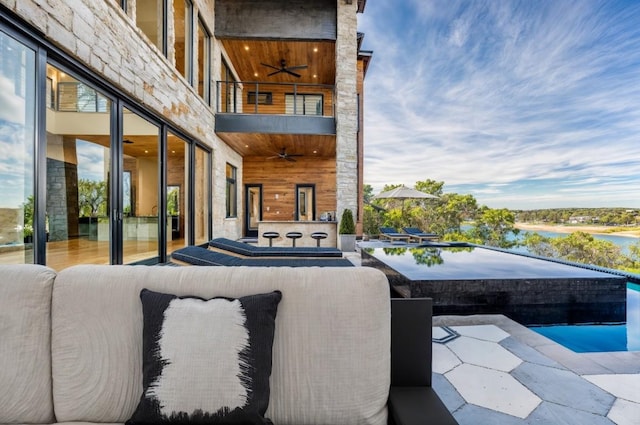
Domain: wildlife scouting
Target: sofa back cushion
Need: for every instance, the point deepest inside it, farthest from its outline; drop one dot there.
(25, 358)
(331, 351)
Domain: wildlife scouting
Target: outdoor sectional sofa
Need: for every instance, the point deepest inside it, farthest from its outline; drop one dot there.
(199, 256)
(81, 346)
(248, 250)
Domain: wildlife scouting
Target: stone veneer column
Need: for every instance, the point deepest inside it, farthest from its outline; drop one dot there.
(346, 109)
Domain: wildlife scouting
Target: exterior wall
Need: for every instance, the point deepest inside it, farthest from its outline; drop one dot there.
(294, 19)
(105, 39)
(346, 110)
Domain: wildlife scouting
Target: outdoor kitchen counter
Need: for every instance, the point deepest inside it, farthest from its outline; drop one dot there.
(304, 227)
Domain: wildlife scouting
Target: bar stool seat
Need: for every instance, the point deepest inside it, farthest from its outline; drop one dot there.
(293, 236)
(318, 236)
(271, 236)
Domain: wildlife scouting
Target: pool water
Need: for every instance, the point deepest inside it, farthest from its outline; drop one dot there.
(591, 338)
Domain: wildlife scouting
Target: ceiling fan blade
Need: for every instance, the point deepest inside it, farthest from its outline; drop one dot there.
(295, 154)
(292, 73)
(288, 158)
(274, 73)
(269, 66)
(297, 67)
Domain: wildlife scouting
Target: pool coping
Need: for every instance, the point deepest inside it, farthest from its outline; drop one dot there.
(616, 362)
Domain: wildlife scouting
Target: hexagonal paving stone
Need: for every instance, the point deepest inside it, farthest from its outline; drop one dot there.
(484, 332)
(493, 390)
(625, 412)
(625, 386)
(484, 353)
(443, 359)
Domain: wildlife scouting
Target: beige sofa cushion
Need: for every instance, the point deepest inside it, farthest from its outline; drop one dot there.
(331, 347)
(25, 328)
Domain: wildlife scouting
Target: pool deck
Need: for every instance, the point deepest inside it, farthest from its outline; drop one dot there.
(488, 369)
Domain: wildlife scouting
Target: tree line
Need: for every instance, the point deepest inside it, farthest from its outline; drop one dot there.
(597, 216)
(459, 217)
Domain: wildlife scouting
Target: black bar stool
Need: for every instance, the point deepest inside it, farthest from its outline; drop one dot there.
(271, 236)
(318, 236)
(293, 236)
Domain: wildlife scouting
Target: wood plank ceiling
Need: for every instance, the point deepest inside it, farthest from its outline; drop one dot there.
(247, 57)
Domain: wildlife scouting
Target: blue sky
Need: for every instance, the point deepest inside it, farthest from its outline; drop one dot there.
(523, 104)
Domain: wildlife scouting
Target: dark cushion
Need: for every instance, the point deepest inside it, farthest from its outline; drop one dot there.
(206, 361)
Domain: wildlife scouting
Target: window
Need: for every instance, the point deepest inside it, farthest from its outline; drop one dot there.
(227, 89)
(183, 36)
(204, 64)
(232, 191)
(150, 18)
(17, 138)
(304, 104)
(264, 98)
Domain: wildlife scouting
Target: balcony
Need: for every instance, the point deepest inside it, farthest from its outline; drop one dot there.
(275, 108)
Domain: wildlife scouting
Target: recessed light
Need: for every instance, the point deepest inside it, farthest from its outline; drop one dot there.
(315, 50)
(255, 74)
(246, 146)
(246, 48)
(315, 76)
(173, 151)
(315, 151)
(146, 151)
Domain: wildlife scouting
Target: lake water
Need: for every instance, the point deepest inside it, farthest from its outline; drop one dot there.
(623, 242)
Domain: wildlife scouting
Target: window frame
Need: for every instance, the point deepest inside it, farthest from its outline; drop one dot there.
(231, 196)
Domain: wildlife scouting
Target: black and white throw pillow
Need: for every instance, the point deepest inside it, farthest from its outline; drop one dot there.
(206, 361)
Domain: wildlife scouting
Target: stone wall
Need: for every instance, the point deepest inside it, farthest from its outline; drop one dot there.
(346, 110)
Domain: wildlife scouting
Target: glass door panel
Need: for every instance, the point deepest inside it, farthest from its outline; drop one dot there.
(201, 196)
(17, 122)
(140, 229)
(253, 209)
(305, 202)
(78, 163)
(177, 160)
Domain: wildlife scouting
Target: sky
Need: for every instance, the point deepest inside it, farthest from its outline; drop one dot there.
(522, 104)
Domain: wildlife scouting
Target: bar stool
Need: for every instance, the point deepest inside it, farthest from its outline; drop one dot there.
(271, 236)
(318, 236)
(293, 236)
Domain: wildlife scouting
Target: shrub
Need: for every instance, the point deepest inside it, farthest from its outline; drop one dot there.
(347, 226)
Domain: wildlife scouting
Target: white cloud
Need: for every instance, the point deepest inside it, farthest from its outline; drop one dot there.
(527, 92)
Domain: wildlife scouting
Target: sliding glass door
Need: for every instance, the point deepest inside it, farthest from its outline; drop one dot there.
(141, 161)
(17, 142)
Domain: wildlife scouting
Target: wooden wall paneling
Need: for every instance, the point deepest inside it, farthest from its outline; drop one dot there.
(280, 177)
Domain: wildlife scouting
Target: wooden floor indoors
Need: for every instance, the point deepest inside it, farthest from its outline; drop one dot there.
(62, 254)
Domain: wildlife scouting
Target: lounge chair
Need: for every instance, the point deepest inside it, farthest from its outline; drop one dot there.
(247, 250)
(419, 235)
(391, 234)
(199, 256)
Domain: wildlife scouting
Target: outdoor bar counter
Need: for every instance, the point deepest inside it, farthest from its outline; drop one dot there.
(304, 227)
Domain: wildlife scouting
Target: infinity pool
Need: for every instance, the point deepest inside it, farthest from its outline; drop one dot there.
(469, 279)
(590, 338)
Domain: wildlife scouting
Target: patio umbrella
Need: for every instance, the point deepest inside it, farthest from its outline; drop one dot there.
(403, 193)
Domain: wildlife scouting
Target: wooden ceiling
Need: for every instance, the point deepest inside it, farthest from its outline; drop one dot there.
(267, 145)
(247, 55)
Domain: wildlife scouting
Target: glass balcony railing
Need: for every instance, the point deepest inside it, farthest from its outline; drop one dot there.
(237, 97)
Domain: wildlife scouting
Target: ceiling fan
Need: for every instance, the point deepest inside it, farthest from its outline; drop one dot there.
(284, 68)
(286, 156)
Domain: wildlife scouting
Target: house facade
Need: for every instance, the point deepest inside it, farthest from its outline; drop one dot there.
(132, 128)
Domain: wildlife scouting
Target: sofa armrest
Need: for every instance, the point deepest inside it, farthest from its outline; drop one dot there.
(417, 406)
(412, 400)
(411, 341)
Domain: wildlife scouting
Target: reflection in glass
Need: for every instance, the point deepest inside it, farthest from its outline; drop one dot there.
(201, 196)
(177, 160)
(78, 165)
(141, 159)
(17, 107)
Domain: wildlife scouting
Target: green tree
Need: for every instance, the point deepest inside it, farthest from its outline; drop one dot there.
(367, 193)
(494, 226)
(92, 197)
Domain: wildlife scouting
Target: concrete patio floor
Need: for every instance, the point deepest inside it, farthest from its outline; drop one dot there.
(489, 369)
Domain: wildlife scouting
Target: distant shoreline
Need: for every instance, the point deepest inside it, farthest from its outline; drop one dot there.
(560, 228)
